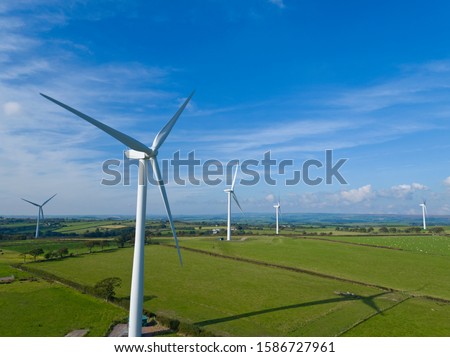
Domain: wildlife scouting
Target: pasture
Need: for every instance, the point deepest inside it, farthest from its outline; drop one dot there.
(415, 272)
(39, 308)
(318, 284)
(432, 244)
(233, 298)
(30, 306)
(238, 298)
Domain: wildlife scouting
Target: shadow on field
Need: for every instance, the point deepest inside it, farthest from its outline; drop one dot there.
(126, 300)
(368, 300)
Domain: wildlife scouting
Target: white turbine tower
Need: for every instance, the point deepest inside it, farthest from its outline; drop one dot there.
(277, 211)
(40, 213)
(424, 213)
(230, 192)
(143, 153)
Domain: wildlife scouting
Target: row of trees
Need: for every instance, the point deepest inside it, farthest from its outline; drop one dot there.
(385, 229)
(59, 253)
(102, 243)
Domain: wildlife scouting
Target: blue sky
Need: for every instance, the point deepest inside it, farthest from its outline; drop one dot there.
(368, 80)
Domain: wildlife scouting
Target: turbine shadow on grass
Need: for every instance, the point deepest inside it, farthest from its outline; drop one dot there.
(368, 300)
(126, 300)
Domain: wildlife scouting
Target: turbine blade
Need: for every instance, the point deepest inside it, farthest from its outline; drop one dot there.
(234, 177)
(35, 204)
(123, 138)
(162, 189)
(165, 131)
(236, 200)
(49, 199)
(41, 212)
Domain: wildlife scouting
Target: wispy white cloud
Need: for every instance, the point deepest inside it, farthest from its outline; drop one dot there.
(357, 195)
(279, 3)
(417, 85)
(403, 191)
(270, 197)
(11, 108)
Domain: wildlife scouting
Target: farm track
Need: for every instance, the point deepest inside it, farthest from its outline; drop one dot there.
(309, 272)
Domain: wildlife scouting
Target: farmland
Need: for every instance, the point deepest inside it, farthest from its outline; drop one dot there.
(305, 282)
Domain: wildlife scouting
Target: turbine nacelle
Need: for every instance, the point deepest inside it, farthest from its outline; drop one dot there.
(138, 155)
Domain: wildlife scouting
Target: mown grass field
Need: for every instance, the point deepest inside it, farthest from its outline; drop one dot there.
(415, 272)
(35, 307)
(433, 244)
(81, 227)
(232, 297)
(39, 308)
(75, 246)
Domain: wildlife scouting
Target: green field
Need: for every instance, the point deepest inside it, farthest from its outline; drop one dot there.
(417, 273)
(232, 298)
(82, 227)
(34, 307)
(435, 245)
(317, 284)
(40, 308)
(74, 246)
(237, 298)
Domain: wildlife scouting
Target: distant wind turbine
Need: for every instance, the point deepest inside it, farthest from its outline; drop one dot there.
(424, 213)
(40, 213)
(277, 211)
(143, 153)
(230, 192)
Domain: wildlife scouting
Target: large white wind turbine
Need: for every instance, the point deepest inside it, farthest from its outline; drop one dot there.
(40, 213)
(424, 213)
(144, 154)
(277, 211)
(230, 192)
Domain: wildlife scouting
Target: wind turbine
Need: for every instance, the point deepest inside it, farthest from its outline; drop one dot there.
(277, 211)
(424, 213)
(40, 213)
(144, 154)
(230, 192)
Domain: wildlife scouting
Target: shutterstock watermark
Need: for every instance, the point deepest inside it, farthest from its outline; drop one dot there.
(212, 172)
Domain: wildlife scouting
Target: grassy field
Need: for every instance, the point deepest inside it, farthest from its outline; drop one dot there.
(34, 307)
(414, 317)
(75, 246)
(242, 299)
(81, 227)
(232, 298)
(417, 273)
(435, 245)
(344, 284)
(39, 308)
